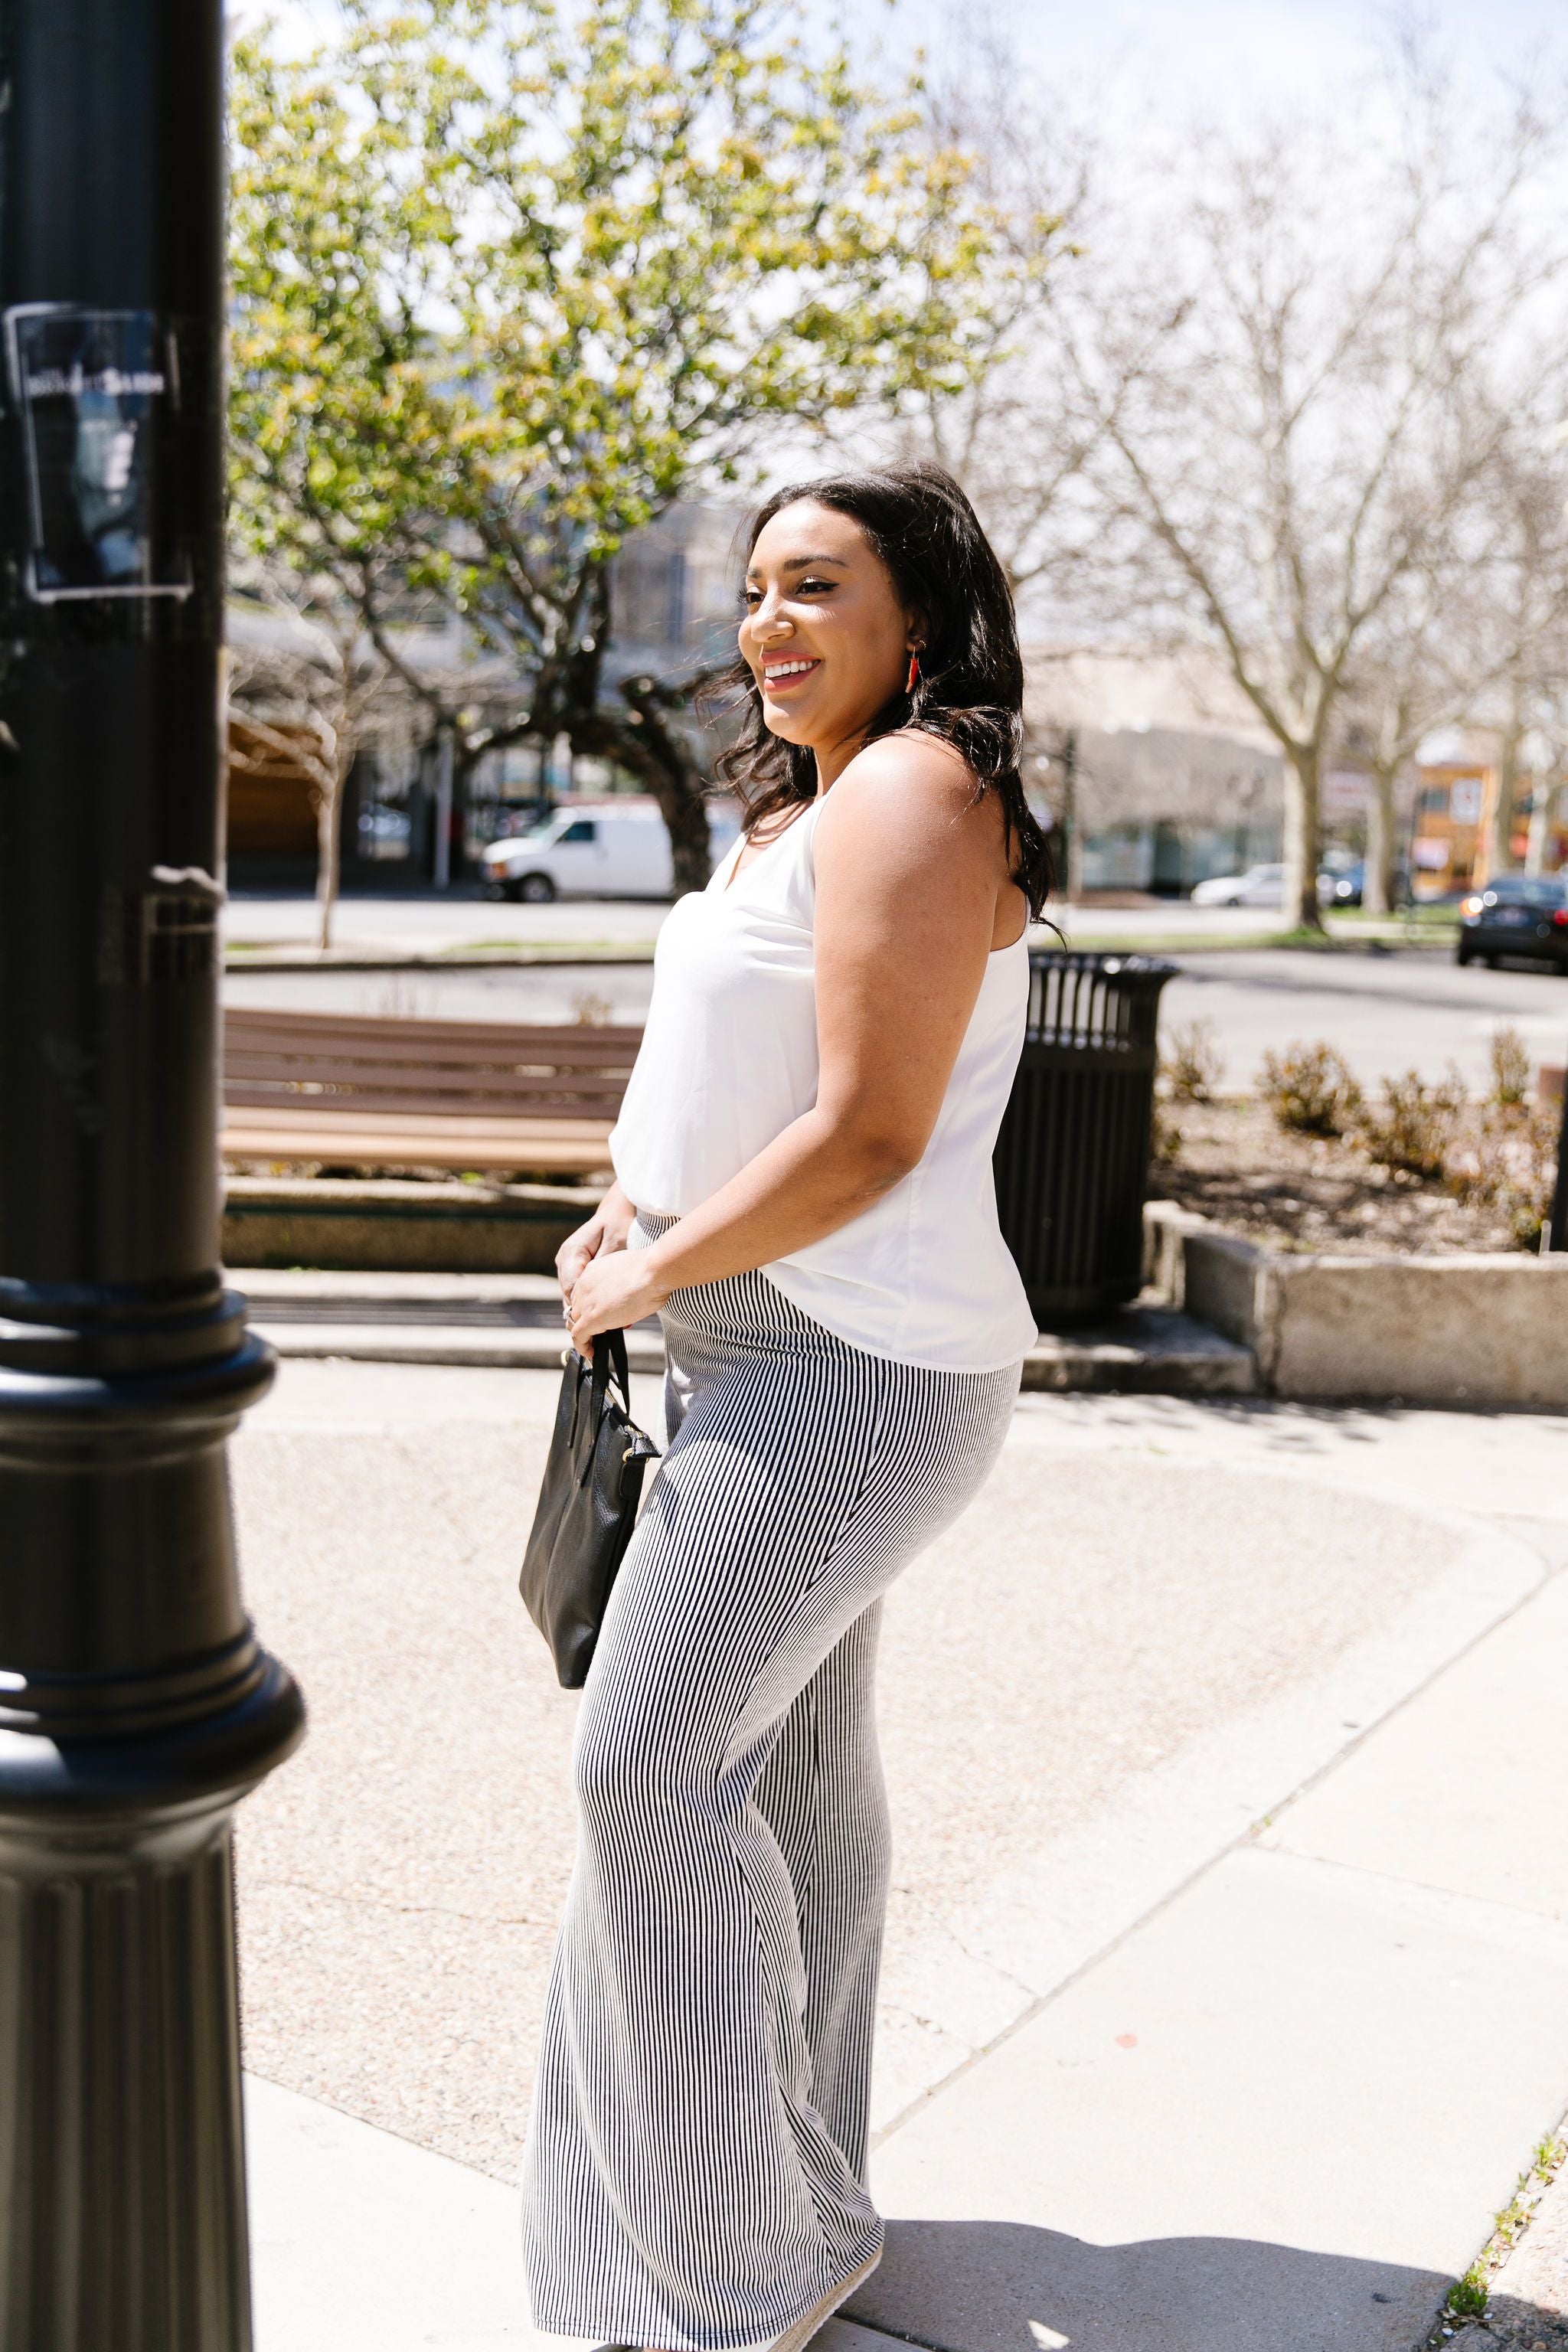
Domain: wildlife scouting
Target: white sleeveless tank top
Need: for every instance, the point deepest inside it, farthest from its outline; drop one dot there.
(728, 1059)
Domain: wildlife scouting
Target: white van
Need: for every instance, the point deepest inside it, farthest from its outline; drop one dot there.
(612, 848)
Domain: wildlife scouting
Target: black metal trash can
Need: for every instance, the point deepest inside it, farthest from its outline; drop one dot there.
(1072, 1158)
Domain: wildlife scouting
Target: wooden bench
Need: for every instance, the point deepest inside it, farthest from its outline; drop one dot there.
(369, 1093)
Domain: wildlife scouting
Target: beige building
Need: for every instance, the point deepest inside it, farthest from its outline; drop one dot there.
(1459, 835)
(1160, 759)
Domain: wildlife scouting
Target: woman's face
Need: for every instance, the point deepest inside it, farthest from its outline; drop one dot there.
(824, 633)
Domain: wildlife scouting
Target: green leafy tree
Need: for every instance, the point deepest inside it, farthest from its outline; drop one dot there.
(508, 281)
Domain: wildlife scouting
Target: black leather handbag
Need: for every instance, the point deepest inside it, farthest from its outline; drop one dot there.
(587, 1507)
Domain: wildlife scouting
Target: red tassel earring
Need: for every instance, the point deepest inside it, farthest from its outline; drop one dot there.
(914, 669)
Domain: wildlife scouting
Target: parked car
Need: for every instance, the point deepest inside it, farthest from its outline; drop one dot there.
(1516, 915)
(599, 849)
(1264, 885)
(384, 832)
(1260, 885)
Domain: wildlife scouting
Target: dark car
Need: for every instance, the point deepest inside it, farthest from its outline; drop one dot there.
(1516, 915)
(1342, 885)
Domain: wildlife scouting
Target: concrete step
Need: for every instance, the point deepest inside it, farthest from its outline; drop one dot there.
(513, 1322)
(1145, 1350)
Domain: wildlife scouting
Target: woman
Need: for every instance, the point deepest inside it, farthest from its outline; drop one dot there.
(804, 1194)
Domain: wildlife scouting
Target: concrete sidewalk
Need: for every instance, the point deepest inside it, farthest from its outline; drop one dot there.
(1226, 1989)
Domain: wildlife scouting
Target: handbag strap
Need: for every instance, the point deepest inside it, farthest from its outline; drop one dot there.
(610, 1361)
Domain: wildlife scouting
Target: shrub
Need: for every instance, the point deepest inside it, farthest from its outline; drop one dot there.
(1309, 1089)
(1510, 1066)
(1511, 1165)
(1191, 1065)
(1467, 2296)
(1415, 1130)
(1164, 1138)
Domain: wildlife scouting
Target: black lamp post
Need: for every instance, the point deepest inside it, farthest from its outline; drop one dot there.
(136, 1707)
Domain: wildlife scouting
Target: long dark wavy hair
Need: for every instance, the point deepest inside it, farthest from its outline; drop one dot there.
(969, 692)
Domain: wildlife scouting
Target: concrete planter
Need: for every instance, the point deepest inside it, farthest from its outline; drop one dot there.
(1480, 1329)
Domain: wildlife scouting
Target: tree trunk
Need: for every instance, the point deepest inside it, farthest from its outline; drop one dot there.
(1541, 801)
(1301, 832)
(685, 815)
(441, 859)
(328, 798)
(1500, 846)
(1377, 885)
(658, 755)
(1071, 877)
(568, 699)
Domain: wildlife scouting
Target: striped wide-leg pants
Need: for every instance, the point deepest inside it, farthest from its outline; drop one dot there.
(696, 2167)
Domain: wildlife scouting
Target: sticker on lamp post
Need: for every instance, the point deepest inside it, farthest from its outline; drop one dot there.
(95, 392)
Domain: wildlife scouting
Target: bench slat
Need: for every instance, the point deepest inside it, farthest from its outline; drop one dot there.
(421, 1123)
(534, 1102)
(289, 1063)
(255, 1078)
(247, 1061)
(398, 1150)
(501, 1043)
(284, 1016)
(552, 1145)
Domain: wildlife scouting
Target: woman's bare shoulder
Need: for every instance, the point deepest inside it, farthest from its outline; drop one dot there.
(910, 752)
(914, 777)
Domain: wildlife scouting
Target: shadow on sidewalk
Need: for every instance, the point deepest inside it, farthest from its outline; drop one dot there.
(1004, 2287)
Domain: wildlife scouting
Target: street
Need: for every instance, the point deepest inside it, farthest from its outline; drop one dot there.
(1386, 1010)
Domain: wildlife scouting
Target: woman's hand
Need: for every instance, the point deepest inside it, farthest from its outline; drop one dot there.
(603, 1283)
(611, 1292)
(604, 1232)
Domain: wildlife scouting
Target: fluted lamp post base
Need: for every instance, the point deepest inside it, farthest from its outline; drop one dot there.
(122, 2212)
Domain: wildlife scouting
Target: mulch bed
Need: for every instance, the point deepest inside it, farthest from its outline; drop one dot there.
(1235, 1164)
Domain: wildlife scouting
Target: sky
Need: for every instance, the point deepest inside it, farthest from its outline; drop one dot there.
(1220, 49)
(1280, 44)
